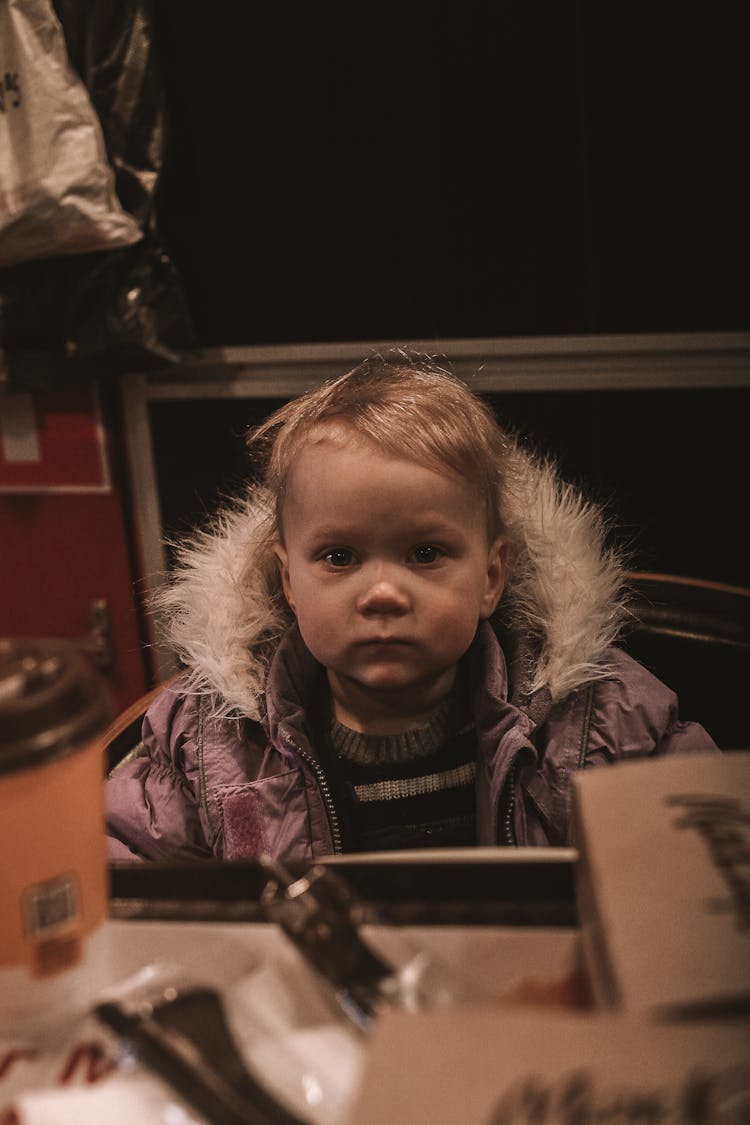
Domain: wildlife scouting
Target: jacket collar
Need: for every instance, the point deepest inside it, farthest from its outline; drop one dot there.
(293, 680)
(499, 696)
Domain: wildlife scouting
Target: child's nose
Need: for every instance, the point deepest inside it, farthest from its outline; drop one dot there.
(383, 593)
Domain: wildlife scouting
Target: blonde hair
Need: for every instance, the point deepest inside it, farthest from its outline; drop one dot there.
(408, 406)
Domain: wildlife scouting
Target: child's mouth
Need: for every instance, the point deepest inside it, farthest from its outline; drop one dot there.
(385, 642)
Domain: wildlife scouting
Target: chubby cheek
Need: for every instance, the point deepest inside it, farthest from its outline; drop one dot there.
(455, 620)
(444, 621)
(321, 642)
(320, 627)
(455, 636)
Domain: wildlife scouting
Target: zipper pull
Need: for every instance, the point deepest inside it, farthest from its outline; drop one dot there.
(322, 916)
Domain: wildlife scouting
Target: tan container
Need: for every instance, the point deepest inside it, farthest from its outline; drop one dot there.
(53, 868)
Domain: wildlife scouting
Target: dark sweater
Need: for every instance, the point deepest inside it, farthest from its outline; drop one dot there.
(410, 790)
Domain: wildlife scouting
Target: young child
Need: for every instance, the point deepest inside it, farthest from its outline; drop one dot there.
(403, 638)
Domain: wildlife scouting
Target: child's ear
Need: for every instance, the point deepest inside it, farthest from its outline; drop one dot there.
(497, 563)
(283, 561)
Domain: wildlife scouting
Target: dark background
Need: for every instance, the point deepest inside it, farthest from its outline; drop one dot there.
(433, 170)
(426, 169)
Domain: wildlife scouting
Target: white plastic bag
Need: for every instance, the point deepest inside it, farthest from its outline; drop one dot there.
(57, 193)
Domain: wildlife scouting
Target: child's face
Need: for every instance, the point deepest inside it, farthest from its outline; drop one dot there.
(387, 568)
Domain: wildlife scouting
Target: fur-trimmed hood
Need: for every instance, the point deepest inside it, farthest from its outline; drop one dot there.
(223, 613)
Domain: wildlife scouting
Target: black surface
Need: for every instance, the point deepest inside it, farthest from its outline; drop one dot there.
(537, 893)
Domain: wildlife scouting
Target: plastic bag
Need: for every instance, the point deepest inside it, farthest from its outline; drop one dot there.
(57, 189)
(76, 316)
(110, 44)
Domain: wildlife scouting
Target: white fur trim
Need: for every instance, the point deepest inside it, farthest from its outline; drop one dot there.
(224, 610)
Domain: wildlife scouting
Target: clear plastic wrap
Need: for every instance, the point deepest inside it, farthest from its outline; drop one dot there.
(57, 189)
(86, 286)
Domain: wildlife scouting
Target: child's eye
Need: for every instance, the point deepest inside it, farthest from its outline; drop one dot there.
(426, 553)
(340, 556)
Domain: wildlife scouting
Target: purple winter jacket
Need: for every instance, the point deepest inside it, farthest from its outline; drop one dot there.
(205, 786)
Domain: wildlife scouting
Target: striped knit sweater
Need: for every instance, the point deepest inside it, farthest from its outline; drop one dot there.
(409, 790)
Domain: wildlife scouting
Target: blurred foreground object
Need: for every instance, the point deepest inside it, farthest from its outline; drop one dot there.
(478, 1067)
(663, 884)
(54, 889)
(324, 917)
(182, 1035)
(662, 881)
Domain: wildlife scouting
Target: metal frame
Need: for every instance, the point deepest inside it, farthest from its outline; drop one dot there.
(557, 363)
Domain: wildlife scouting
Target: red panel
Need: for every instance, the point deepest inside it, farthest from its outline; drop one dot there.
(65, 427)
(59, 551)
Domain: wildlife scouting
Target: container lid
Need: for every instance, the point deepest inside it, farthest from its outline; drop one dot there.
(52, 701)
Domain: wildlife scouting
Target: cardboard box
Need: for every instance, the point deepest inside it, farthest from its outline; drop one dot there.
(663, 883)
(484, 1066)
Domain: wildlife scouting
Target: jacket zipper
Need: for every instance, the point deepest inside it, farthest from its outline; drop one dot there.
(325, 790)
(202, 761)
(509, 797)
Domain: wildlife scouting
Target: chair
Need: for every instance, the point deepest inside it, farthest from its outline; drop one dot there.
(122, 738)
(695, 636)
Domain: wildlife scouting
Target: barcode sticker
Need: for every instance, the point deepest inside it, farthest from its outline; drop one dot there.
(52, 912)
(51, 906)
